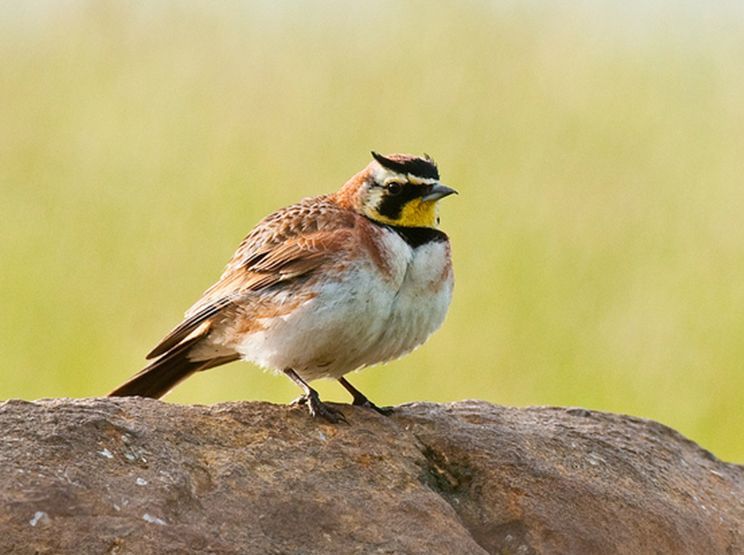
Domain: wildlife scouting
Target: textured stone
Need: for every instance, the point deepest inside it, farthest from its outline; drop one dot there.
(141, 476)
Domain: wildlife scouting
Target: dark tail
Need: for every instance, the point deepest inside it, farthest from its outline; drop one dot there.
(166, 372)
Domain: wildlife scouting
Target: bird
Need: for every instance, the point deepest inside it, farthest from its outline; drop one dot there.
(318, 289)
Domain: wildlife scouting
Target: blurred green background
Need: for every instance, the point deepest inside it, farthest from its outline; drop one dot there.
(598, 149)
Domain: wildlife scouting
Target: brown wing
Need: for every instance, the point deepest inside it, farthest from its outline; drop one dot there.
(188, 327)
(288, 244)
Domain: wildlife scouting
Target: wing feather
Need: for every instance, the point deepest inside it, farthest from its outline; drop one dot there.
(311, 233)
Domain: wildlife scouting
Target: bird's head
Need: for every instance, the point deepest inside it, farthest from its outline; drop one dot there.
(397, 189)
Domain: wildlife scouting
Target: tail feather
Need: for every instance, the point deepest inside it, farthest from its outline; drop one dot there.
(166, 372)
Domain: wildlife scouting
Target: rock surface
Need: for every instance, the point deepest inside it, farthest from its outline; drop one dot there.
(141, 476)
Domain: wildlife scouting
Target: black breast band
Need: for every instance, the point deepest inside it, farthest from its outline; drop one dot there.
(417, 236)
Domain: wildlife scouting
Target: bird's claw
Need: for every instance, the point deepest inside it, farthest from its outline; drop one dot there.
(318, 408)
(366, 403)
(301, 400)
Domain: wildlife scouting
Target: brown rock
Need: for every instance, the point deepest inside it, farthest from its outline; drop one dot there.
(141, 476)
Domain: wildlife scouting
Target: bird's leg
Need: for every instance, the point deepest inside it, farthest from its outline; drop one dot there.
(310, 397)
(360, 399)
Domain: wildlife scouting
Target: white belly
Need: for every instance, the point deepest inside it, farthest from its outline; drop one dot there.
(421, 303)
(365, 319)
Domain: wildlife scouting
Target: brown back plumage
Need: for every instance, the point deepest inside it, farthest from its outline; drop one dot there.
(286, 245)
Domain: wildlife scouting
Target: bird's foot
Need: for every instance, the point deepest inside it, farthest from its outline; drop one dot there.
(366, 403)
(360, 399)
(318, 408)
(301, 400)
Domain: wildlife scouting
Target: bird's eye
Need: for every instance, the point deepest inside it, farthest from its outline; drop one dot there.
(393, 188)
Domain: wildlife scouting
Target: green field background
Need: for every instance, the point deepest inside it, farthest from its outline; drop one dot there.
(598, 239)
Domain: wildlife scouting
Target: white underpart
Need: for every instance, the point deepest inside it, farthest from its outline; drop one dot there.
(365, 319)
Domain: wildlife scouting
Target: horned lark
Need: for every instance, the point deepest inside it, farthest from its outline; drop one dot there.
(332, 284)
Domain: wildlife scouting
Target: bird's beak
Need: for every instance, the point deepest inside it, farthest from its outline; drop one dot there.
(438, 190)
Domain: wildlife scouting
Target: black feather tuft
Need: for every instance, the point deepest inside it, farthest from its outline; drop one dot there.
(425, 168)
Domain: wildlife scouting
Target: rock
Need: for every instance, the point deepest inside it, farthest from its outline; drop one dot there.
(142, 476)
